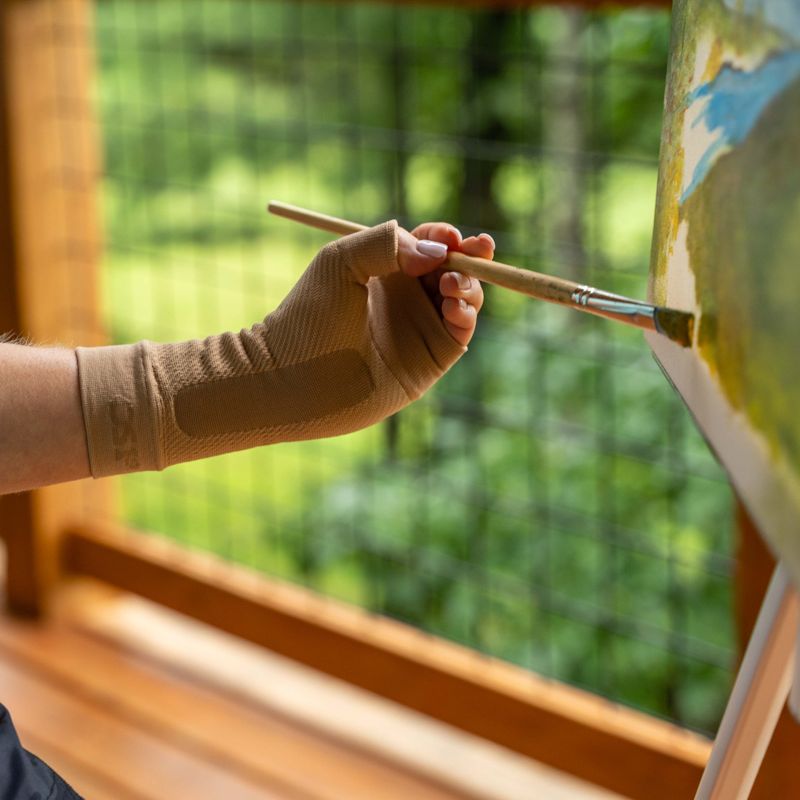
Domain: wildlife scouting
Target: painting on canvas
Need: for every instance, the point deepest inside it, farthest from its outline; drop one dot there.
(727, 244)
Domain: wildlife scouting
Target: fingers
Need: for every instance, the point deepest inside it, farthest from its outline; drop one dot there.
(462, 295)
(439, 232)
(461, 287)
(425, 249)
(422, 254)
(481, 246)
(462, 299)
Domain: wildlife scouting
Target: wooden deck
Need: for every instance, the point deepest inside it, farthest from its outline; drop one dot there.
(129, 702)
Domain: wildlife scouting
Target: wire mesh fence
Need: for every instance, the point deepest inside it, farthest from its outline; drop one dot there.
(549, 502)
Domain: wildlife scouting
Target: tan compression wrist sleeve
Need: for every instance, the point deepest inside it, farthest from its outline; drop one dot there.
(354, 341)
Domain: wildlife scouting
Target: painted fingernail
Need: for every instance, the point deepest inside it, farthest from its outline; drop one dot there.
(432, 249)
(462, 280)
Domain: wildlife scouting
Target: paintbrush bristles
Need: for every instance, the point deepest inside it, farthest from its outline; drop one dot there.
(675, 325)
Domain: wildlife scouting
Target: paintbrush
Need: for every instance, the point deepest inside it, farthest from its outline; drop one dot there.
(675, 325)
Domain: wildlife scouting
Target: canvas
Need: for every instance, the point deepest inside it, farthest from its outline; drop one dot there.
(727, 245)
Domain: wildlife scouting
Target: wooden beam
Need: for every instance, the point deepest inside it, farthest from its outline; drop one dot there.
(49, 242)
(579, 733)
(16, 511)
(779, 775)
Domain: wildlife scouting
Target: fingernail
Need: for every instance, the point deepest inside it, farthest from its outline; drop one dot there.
(490, 238)
(432, 249)
(462, 280)
(462, 303)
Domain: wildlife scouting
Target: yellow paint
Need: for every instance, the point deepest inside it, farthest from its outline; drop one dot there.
(714, 62)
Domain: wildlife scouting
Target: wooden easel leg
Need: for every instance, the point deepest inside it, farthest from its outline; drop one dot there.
(758, 695)
(794, 690)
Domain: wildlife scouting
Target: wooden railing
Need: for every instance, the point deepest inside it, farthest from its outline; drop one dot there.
(572, 730)
(49, 255)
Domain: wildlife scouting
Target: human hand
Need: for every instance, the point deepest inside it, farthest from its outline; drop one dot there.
(457, 297)
(371, 325)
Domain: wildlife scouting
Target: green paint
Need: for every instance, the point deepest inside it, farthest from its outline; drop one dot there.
(744, 244)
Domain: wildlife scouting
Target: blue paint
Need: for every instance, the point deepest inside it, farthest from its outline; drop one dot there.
(735, 101)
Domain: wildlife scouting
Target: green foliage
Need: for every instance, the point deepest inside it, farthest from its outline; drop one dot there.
(549, 503)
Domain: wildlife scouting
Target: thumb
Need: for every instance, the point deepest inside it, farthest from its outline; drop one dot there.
(368, 253)
(418, 257)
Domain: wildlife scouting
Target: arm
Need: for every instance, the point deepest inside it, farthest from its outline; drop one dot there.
(49, 412)
(42, 438)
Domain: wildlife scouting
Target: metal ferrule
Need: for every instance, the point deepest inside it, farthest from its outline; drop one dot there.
(612, 304)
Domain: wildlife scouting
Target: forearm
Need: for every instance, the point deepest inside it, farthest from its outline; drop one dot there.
(42, 438)
(357, 339)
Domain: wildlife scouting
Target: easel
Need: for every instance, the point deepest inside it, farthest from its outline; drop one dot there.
(761, 688)
(766, 674)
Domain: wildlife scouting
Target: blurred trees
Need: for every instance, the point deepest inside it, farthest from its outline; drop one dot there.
(549, 503)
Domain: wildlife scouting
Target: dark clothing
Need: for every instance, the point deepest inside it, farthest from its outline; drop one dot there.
(22, 775)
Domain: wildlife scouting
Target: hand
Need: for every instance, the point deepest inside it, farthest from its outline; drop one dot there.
(355, 340)
(458, 297)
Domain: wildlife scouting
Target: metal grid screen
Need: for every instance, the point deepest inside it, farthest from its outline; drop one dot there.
(549, 502)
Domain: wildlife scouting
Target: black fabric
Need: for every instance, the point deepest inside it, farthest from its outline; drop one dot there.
(23, 776)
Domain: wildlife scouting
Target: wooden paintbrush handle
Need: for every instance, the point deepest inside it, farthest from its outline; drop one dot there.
(534, 284)
(314, 219)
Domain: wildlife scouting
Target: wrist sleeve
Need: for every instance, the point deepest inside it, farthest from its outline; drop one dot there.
(354, 341)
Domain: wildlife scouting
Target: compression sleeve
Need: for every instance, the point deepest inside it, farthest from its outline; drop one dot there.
(353, 342)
